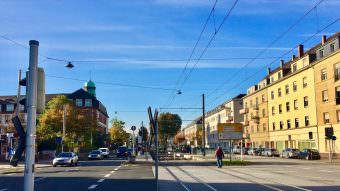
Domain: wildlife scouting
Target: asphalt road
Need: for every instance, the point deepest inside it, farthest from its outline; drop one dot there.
(268, 174)
(88, 175)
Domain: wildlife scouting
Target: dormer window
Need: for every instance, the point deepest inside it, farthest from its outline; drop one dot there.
(279, 75)
(321, 53)
(331, 47)
(79, 102)
(294, 67)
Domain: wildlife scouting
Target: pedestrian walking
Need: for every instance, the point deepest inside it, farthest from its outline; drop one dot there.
(219, 156)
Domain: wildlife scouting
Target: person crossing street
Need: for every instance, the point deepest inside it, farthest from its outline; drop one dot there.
(219, 156)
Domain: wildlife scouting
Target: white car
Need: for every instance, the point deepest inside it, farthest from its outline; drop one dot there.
(105, 151)
(65, 158)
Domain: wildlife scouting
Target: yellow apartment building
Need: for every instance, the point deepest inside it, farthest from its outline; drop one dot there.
(255, 114)
(327, 85)
(291, 104)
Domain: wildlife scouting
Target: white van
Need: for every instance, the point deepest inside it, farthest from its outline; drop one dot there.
(105, 151)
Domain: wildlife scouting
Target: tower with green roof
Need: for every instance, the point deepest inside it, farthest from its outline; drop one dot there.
(90, 87)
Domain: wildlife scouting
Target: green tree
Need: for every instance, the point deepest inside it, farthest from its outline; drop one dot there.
(143, 132)
(168, 126)
(118, 134)
(79, 124)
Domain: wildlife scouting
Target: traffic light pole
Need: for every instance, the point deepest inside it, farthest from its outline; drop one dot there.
(18, 94)
(31, 116)
(64, 128)
(203, 125)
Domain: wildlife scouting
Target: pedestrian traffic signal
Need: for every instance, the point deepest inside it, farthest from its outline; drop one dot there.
(329, 132)
(40, 91)
(21, 144)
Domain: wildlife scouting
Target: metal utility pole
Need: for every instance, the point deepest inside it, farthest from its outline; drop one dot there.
(31, 116)
(133, 128)
(18, 95)
(64, 128)
(203, 125)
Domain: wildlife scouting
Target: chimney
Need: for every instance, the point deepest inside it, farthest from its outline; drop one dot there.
(300, 50)
(268, 71)
(323, 39)
(282, 63)
(293, 57)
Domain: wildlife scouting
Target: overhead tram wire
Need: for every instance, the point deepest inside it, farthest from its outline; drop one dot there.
(193, 50)
(286, 53)
(207, 46)
(112, 83)
(269, 45)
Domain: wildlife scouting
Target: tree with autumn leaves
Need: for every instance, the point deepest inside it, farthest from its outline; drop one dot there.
(168, 126)
(118, 134)
(79, 125)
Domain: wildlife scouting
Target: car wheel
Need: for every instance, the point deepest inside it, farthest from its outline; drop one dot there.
(71, 164)
(76, 164)
(307, 157)
(54, 165)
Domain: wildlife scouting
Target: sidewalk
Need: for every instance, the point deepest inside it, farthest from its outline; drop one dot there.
(6, 168)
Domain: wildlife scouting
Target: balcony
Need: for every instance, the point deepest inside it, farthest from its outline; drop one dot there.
(244, 110)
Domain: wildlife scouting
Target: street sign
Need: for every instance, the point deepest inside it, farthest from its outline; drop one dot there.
(228, 131)
(58, 139)
(133, 128)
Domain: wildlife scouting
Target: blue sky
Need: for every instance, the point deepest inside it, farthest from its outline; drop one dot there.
(131, 33)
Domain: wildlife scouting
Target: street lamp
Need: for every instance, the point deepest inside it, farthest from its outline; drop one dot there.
(69, 65)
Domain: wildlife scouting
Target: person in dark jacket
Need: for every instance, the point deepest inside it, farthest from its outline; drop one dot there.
(219, 156)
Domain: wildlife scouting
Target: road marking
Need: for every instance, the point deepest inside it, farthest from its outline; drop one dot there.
(325, 171)
(107, 175)
(92, 186)
(3, 189)
(177, 179)
(112, 172)
(306, 168)
(195, 178)
(101, 180)
(38, 179)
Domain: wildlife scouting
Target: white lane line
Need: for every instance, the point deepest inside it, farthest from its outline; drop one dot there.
(325, 171)
(112, 172)
(101, 180)
(107, 175)
(306, 168)
(92, 186)
(3, 189)
(38, 179)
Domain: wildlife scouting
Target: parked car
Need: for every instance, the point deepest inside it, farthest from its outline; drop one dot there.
(270, 152)
(290, 153)
(122, 152)
(96, 155)
(105, 152)
(258, 151)
(309, 154)
(65, 158)
(251, 151)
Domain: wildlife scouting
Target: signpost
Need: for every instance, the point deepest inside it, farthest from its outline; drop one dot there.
(230, 131)
(133, 128)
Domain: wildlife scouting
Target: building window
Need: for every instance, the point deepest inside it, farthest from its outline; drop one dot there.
(287, 89)
(264, 127)
(304, 82)
(263, 98)
(323, 74)
(321, 53)
(273, 126)
(79, 102)
(280, 108)
(305, 101)
(326, 117)
(294, 67)
(279, 75)
(10, 107)
(263, 112)
(256, 102)
(281, 125)
(245, 105)
(272, 94)
(296, 104)
(279, 92)
(338, 115)
(296, 122)
(88, 102)
(272, 79)
(273, 110)
(287, 107)
(288, 123)
(337, 72)
(337, 95)
(294, 86)
(331, 47)
(306, 121)
(251, 103)
(325, 96)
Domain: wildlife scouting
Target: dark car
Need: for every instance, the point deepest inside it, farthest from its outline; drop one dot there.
(309, 154)
(122, 152)
(258, 151)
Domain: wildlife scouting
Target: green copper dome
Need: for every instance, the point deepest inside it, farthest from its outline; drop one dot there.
(90, 87)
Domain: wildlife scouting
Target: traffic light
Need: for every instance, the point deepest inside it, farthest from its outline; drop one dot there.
(41, 99)
(21, 144)
(329, 132)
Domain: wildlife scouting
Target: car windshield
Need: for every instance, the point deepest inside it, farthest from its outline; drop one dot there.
(95, 152)
(65, 155)
(295, 149)
(103, 150)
